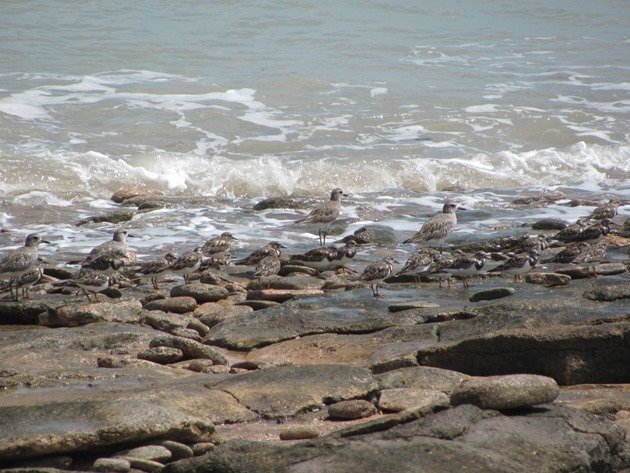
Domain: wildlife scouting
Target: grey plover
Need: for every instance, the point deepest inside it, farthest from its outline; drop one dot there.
(255, 257)
(187, 264)
(101, 257)
(20, 261)
(420, 262)
(465, 266)
(217, 246)
(376, 272)
(518, 264)
(438, 228)
(323, 215)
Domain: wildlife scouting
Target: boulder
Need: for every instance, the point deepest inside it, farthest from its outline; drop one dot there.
(201, 292)
(177, 305)
(400, 399)
(351, 409)
(548, 279)
(506, 392)
(190, 348)
(72, 315)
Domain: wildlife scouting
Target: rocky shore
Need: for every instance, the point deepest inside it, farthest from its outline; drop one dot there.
(302, 373)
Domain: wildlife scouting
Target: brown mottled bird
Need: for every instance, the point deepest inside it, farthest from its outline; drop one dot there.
(324, 214)
(437, 228)
(218, 245)
(255, 257)
(376, 272)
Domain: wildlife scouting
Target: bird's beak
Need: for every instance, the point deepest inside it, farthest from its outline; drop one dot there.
(45, 241)
(131, 235)
(461, 208)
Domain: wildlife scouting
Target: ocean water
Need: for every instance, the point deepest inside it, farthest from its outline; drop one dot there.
(402, 104)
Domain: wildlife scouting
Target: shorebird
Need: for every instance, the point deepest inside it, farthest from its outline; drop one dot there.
(255, 257)
(186, 264)
(18, 262)
(437, 228)
(94, 282)
(517, 264)
(218, 246)
(154, 268)
(581, 231)
(608, 210)
(101, 257)
(581, 252)
(27, 279)
(268, 266)
(324, 214)
(420, 262)
(465, 265)
(327, 258)
(376, 272)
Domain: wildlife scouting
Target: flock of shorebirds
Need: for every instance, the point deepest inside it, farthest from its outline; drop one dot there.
(582, 244)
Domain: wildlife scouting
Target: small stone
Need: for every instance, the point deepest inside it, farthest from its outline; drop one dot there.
(259, 305)
(127, 193)
(609, 293)
(178, 305)
(506, 392)
(161, 355)
(212, 313)
(421, 377)
(548, 279)
(201, 292)
(149, 452)
(491, 294)
(114, 465)
(198, 326)
(602, 269)
(187, 333)
(351, 409)
(299, 432)
(285, 202)
(399, 307)
(178, 450)
(111, 362)
(201, 366)
(400, 399)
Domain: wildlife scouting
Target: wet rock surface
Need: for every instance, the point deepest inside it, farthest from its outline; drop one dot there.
(329, 379)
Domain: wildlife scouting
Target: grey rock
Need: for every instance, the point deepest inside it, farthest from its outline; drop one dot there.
(112, 217)
(190, 348)
(506, 392)
(400, 306)
(285, 202)
(178, 450)
(144, 465)
(400, 399)
(187, 333)
(550, 224)
(259, 305)
(609, 293)
(148, 452)
(351, 409)
(288, 283)
(282, 295)
(202, 293)
(601, 269)
(421, 377)
(176, 304)
(166, 322)
(72, 315)
(161, 355)
(548, 279)
(212, 313)
(114, 465)
(492, 294)
(288, 390)
(300, 432)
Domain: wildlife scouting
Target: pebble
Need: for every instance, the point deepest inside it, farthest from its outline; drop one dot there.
(259, 305)
(197, 325)
(602, 269)
(114, 465)
(145, 465)
(178, 305)
(161, 355)
(550, 224)
(212, 313)
(187, 333)
(491, 294)
(506, 392)
(282, 295)
(190, 348)
(202, 448)
(351, 409)
(299, 433)
(111, 362)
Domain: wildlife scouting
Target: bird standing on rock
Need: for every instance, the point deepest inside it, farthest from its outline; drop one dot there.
(218, 245)
(437, 228)
(518, 264)
(19, 262)
(376, 272)
(101, 257)
(186, 264)
(324, 214)
(255, 257)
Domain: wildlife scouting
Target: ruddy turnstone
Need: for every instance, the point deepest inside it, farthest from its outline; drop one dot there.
(217, 246)
(18, 262)
(376, 272)
(608, 210)
(268, 266)
(465, 266)
(154, 268)
(518, 264)
(327, 258)
(581, 252)
(324, 214)
(186, 264)
(255, 257)
(437, 228)
(420, 262)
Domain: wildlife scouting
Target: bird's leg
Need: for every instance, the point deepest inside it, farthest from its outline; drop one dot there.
(87, 295)
(154, 282)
